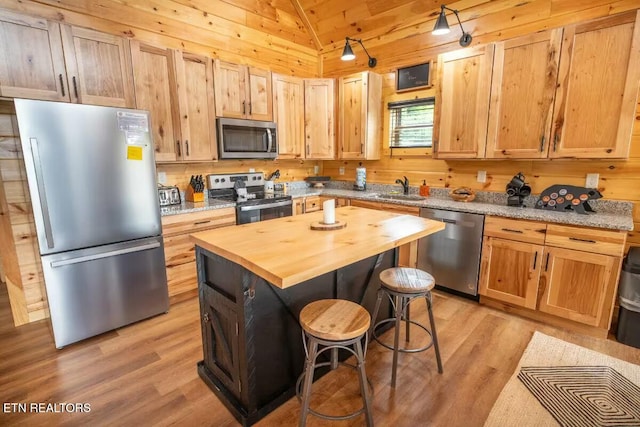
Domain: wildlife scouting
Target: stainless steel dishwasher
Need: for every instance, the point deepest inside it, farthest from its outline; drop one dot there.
(452, 256)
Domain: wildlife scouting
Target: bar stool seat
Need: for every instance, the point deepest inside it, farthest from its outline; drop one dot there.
(334, 324)
(403, 285)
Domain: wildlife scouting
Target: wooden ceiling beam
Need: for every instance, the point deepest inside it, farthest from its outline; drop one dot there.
(307, 23)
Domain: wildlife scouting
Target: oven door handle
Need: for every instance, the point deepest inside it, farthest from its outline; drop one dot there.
(265, 206)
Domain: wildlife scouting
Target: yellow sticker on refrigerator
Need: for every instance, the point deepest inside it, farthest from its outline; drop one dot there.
(134, 152)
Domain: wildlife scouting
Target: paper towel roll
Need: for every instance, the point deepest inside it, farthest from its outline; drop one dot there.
(329, 210)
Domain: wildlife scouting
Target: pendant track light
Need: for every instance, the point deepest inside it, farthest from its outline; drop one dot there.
(348, 55)
(442, 26)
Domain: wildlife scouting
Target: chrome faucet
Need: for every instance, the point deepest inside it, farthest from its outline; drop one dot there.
(405, 184)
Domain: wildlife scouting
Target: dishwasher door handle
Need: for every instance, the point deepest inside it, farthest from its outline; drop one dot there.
(448, 221)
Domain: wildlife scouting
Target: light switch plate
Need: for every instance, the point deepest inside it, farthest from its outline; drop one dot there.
(592, 180)
(341, 170)
(162, 177)
(482, 176)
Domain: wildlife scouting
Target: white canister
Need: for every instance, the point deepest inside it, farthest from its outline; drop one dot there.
(268, 187)
(361, 177)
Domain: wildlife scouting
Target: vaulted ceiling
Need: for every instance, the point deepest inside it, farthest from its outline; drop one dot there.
(330, 21)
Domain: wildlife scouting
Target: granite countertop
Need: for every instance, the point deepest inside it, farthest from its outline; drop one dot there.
(188, 207)
(610, 214)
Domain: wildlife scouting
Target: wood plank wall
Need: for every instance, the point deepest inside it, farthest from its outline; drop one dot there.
(18, 239)
(263, 34)
(487, 21)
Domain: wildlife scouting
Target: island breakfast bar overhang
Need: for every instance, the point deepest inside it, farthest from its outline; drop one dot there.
(254, 279)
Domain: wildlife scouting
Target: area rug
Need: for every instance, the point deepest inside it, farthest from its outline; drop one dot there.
(558, 383)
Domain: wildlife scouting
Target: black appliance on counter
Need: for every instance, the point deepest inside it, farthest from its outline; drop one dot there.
(517, 190)
(247, 191)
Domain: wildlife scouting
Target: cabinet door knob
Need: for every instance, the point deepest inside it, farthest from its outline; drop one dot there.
(205, 317)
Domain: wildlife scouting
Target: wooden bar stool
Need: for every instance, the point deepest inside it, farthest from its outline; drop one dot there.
(403, 285)
(334, 324)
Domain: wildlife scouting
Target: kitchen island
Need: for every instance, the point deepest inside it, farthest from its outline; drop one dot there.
(254, 279)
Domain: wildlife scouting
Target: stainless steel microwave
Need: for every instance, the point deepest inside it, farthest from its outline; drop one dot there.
(246, 139)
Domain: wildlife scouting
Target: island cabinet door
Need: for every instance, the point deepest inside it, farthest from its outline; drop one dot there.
(510, 270)
(220, 338)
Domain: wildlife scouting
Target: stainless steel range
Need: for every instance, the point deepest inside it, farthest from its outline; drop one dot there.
(253, 204)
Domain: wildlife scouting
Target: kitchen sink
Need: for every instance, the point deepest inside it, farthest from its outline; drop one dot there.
(409, 197)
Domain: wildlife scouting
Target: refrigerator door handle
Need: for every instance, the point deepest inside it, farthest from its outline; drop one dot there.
(86, 258)
(42, 194)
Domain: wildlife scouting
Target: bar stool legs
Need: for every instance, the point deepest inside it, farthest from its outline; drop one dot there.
(310, 365)
(400, 302)
(334, 324)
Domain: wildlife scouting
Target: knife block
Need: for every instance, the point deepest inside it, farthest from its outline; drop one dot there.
(192, 196)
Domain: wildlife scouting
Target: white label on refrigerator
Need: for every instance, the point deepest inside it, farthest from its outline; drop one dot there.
(133, 122)
(136, 138)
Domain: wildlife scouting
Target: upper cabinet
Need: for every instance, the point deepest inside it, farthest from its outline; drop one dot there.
(288, 113)
(242, 92)
(462, 103)
(63, 63)
(597, 88)
(98, 67)
(304, 112)
(319, 119)
(196, 106)
(568, 92)
(360, 115)
(525, 72)
(177, 89)
(36, 69)
(157, 92)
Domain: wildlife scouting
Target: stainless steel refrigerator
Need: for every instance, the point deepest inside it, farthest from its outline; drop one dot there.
(91, 173)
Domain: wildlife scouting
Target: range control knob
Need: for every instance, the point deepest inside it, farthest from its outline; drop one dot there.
(222, 180)
(217, 180)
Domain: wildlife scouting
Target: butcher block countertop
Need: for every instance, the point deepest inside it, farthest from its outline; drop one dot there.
(285, 251)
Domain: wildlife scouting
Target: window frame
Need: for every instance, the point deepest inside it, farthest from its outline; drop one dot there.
(392, 111)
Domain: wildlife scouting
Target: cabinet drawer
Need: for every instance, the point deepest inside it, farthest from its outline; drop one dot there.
(515, 229)
(606, 242)
(196, 221)
(312, 204)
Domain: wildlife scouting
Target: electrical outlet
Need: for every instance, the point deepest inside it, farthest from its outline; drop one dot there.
(592, 180)
(162, 177)
(482, 176)
(341, 170)
(316, 170)
(251, 170)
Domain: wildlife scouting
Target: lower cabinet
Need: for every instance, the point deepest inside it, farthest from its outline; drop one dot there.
(179, 251)
(220, 336)
(340, 201)
(570, 273)
(302, 205)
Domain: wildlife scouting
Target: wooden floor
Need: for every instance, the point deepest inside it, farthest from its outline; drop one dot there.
(145, 374)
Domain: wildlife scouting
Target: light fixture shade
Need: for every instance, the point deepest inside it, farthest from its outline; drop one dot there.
(442, 26)
(347, 53)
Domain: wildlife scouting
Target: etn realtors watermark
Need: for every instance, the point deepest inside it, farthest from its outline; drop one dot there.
(42, 407)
